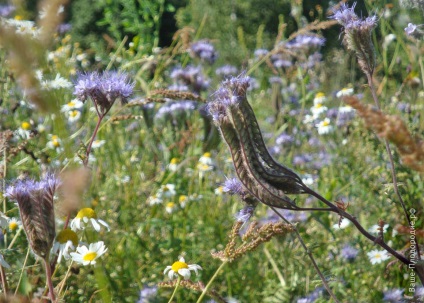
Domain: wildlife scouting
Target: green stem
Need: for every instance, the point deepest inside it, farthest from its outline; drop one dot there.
(205, 290)
(175, 290)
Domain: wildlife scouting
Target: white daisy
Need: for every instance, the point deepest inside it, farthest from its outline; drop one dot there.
(219, 190)
(344, 92)
(346, 109)
(183, 199)
(206, 159)
(170, 207)
(98, 143)
(181, 268)
(55, 143)
(173, 164)
(167, 191)
(320, 98)
(378, 256)
(153, 200)
(88, 255)
(345, 223)
(375, 229)
(318, 109)
(58, 82)
(24, 131)
(14, 224)
(324, 126)
(86, 215)
(72, 105)
(73, 115)
(308, 119)
(66, 241)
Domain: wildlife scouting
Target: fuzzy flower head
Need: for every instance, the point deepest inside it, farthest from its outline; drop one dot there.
(103, 89)
(393, 296)
(66, 241)
(245, 214)
(88, 255)
(358, 35)
(35, 203)
(203, 50)
(85, 216)
(181, 269)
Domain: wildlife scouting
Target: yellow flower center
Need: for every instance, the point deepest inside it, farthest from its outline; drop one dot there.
(25, 126)
(73, 113)
(207, 155)
(178, 265)
(87, 212)
(220, 189)
(56, 143)
(320, 95)
(18, 17)
(67, 235)
(325, 123)
(318, 105)
(71, 104)
(174, 161)
(170, 204)
(182, 198)
(13, 225)
(90, 256)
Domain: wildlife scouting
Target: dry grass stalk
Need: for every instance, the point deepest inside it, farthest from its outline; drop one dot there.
(177, 95)
(51, 20)
(125, 117)
(314, 26)
(393, 129)
(196, 286)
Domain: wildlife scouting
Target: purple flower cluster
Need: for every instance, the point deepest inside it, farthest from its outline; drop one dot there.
(233, 186)
(147, 293)
(305, 43)
(6, 10)
(261, 52)
(190, 76)
(204, 50)
(27, 190)
(175, 111)
(349, 252)
(103, 89)
(245, 214)
(393, 296)
(226, 71)
(312, 297)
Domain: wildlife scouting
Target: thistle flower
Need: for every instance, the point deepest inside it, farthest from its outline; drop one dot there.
(103, 89)
(358, 35)
(35, 202)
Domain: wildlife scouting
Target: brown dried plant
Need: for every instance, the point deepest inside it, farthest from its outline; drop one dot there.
(393, 129)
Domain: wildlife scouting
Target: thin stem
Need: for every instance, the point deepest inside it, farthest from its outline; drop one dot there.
(49, 279)
(392, 165)
(3, 280)
(22, 270)
(99, 121)
(311, 257)
(175, 289)
(205, 290)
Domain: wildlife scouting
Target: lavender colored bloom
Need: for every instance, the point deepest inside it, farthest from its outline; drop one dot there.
(300, 160)
(305, 43)
(393, 296)
(261, 52)
(253, 84)
(275, 80)
(284, 139)
(103, 89)
(233, 186)
(226, 71)
(349, 253)
(6, 10)
(410, 29)
(190, 76)
(64, 28)
(204, 50)
(147, 293)
(35, 203)
(245, 214)
(312, 297)
(345, 14)
(175, 111)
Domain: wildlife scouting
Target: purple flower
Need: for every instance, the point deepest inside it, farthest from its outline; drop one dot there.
(6, 10)
(259, 53)
(204, 50)
(284, 139)
(245, 214)
(303, 42)
(35, 203)
(64, 28)
(147, 293)
(349, 253)
(393, 296)
(233, 186)
(410, 29)
(226, 71)
(190, 76)
(345, 14)
(103, 89)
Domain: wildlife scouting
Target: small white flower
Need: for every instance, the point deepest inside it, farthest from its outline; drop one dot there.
(388, 39)
(167, 191)
(378, 256)
(318, 109)
(73, 104)
(320, 98)
(346, 109)
(86, 215)
(206, 159)
(308, 179)
(375, 229)
(324, 127)
(219, 190)
(88, 255)
(344, 92)
(345, 223)
(181, 268)
(183, 199)
(73, 115)
(170, 207)
(153, 200)
(308, 119)
(55, 143)
(173, 164)
(65, 242)
(98, 143)
(14, 224)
